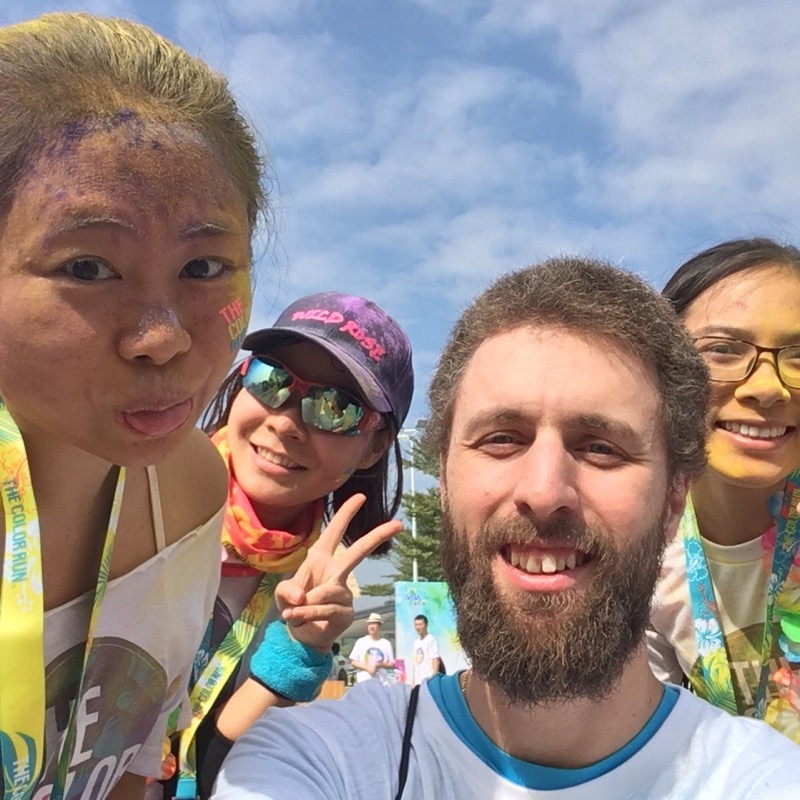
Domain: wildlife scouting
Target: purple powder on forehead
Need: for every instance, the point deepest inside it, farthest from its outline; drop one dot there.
(123, 116)
(76, 130)
(72, 134)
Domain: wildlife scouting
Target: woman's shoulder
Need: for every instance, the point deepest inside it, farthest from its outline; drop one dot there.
(192, 483)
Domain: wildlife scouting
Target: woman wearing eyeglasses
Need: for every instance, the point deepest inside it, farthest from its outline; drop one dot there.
(308, 427)
(726, 615)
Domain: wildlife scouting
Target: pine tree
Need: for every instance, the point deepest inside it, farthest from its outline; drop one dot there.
(424, 507)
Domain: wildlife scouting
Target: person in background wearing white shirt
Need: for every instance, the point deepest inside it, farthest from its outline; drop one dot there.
(372, 654)
(426, 651)
(338, 667)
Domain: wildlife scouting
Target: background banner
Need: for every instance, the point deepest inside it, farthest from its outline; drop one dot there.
(433, 600)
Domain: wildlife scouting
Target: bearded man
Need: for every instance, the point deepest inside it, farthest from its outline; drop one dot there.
(568, 412)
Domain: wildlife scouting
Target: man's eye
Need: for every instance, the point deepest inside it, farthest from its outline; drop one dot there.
(603, 454)
(88, 269)
(499, 444)
(202, 268)
(602, 449)
(498, 438)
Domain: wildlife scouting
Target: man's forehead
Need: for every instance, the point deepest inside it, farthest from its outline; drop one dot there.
(586, 381)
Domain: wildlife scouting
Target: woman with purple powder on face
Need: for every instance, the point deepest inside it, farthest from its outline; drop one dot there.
(130, 189)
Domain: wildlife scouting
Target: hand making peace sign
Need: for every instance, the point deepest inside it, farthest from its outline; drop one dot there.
(316, 602)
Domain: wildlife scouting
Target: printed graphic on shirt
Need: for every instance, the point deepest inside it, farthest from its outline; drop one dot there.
(123, 691)
(374, 655)
(744, 650)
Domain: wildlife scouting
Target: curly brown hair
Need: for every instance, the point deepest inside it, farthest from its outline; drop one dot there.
(604, 302)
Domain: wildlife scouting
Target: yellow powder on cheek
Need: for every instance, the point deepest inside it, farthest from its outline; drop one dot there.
(727, 460)
(242, 289)
(236, 312)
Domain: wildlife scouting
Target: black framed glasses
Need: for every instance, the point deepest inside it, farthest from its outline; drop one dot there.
(733, 360)
(325, 407)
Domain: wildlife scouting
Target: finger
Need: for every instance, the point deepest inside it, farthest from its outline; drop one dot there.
(327, 593)
(329, 540)
(360, 549)
(324, 594)
(331, 537)
(322, 614)
(288, 593)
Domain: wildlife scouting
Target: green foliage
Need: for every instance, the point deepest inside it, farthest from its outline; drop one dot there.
(423, 506)
(423, 461)
(377, 590)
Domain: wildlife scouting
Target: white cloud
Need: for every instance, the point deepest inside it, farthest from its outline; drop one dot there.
(695, 99)
(416, 166)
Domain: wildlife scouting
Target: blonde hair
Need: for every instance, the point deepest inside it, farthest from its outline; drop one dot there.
(67, 73)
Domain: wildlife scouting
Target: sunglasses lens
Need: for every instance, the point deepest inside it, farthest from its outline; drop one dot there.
(331, 409)
(324, 407)
(268, 383)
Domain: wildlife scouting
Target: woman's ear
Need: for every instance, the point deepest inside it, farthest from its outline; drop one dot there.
(381, 441)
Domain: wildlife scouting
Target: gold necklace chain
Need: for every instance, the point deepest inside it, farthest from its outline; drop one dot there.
(462, 681)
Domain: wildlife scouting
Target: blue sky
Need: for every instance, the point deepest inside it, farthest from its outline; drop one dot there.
(419, 148)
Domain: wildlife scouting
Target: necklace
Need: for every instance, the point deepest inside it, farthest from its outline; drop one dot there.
(462, 682)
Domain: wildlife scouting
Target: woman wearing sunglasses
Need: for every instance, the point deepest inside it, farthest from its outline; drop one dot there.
(726, 615)
(308, 427)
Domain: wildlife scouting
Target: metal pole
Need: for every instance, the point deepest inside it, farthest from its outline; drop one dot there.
(409, 435)
(414, 575)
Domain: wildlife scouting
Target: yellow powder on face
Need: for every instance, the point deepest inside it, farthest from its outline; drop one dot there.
(759, 305)
(237, 312)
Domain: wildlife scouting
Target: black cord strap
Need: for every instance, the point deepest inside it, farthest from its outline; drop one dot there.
(404, 756)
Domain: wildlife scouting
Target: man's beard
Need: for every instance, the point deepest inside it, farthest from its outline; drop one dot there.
(545, 647)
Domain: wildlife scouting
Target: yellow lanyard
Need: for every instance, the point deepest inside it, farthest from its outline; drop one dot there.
(22, 691)
(218, 671)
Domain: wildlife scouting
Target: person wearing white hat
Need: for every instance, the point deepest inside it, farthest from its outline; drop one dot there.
(372, 654)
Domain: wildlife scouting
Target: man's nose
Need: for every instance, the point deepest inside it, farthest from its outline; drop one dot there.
(546, 479)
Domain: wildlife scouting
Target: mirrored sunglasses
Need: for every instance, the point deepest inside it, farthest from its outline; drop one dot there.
(327, 408)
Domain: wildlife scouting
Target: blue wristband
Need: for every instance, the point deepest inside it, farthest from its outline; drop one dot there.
(287, 667)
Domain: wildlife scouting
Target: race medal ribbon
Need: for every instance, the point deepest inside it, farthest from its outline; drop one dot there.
(717, 681)
(786, 546)
(22, 624)
(218, 671)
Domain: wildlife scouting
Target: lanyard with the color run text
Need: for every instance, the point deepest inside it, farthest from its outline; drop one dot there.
(218, 671)
(708, 628)
(22, 691)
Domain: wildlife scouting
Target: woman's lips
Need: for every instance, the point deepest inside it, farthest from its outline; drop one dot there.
(158, 422)
(271, 462)
(764, 437)
(755, 431)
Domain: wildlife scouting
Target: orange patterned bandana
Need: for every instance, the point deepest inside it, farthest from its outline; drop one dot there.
(247, 546)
